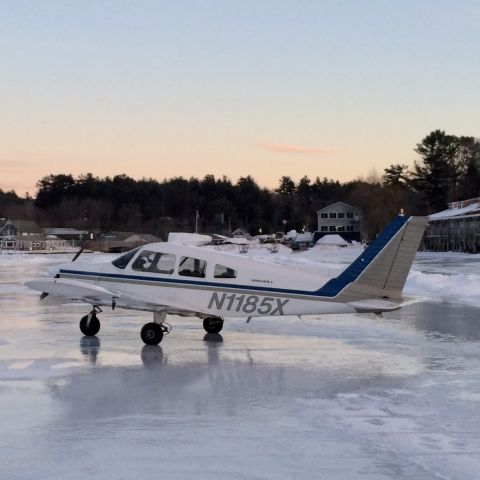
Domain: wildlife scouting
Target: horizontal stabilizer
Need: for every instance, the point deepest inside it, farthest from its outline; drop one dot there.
(372, 305)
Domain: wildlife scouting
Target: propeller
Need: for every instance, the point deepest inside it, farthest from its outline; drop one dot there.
(77, 254)
(45, 294)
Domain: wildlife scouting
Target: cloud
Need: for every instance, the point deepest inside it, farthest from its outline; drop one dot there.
(7, 164)
(284, 148)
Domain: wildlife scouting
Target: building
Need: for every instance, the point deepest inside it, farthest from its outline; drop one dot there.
(240, 233)
(455, 229)
(115, 241)
(339, 219)
(53, 242)
(23, 235)
(72, 235)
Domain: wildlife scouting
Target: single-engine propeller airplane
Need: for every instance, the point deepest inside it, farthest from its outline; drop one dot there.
(167, 278)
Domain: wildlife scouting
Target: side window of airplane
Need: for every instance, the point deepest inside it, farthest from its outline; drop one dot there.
(123, 261)
(155, 262)
(192, 267)
(224, 272)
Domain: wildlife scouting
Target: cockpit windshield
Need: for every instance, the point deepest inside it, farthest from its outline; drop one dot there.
(122, 262)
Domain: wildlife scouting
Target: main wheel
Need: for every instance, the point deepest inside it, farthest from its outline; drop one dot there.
(90, 328)
(151, 333)
(213, 324)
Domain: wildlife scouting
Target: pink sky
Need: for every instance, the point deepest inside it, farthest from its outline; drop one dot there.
(155, 89)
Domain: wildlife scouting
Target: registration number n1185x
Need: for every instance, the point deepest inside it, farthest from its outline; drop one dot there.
(247, 303)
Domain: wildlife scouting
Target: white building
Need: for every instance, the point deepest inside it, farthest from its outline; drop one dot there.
(339, 218)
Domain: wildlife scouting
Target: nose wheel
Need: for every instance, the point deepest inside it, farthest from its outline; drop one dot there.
(90, 324)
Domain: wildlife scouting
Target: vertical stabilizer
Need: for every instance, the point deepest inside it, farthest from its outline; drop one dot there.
(381, 271)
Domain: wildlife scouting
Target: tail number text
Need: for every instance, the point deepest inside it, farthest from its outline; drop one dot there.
(247, 303)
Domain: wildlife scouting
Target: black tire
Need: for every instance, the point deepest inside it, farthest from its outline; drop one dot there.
(213, 324)
(92, 328)
(151, 333)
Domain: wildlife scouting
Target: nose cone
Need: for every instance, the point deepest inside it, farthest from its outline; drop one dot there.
(54, 271)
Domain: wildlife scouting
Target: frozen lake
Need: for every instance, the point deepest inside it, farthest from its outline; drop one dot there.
(333, 397)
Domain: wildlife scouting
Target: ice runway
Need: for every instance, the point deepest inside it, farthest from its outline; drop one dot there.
(350, 397)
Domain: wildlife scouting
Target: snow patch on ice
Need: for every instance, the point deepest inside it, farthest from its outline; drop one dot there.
(20, 365)
(463, 288)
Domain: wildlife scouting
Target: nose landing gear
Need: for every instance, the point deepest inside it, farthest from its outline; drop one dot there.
(90, 324)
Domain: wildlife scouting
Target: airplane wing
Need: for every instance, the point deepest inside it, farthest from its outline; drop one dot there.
(73, 290)
(66, 290)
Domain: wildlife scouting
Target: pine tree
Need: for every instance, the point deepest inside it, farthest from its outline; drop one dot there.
(436, 175)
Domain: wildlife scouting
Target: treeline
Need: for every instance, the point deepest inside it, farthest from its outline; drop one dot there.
(447, 170)
(158, 207)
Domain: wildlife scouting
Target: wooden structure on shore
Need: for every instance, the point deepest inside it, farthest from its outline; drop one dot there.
(456, 229)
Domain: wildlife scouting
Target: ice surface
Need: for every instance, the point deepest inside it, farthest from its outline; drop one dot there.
(332, 397)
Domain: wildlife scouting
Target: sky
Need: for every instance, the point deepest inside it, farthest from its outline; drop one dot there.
(266, 88)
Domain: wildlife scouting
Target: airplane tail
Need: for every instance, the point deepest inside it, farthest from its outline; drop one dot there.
(382, 269)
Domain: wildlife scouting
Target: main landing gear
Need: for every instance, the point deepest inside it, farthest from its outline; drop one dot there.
(152, 333)
(213, 324)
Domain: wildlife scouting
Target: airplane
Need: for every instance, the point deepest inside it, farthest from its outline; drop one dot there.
(169, 278)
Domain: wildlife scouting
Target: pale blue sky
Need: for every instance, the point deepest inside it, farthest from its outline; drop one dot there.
(267, 88)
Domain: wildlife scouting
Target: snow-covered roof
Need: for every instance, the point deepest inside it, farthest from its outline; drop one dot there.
(454, 211)
(304, 237)
(64, 231)
(142, 237)
(184, 238)
(336, 205)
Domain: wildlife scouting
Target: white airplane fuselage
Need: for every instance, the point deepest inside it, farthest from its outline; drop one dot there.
(258, 289)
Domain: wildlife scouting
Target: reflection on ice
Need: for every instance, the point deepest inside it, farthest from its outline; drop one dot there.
(89, 347)
(213, 338)
(449, 320)
(152, 356)
(187, 376)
